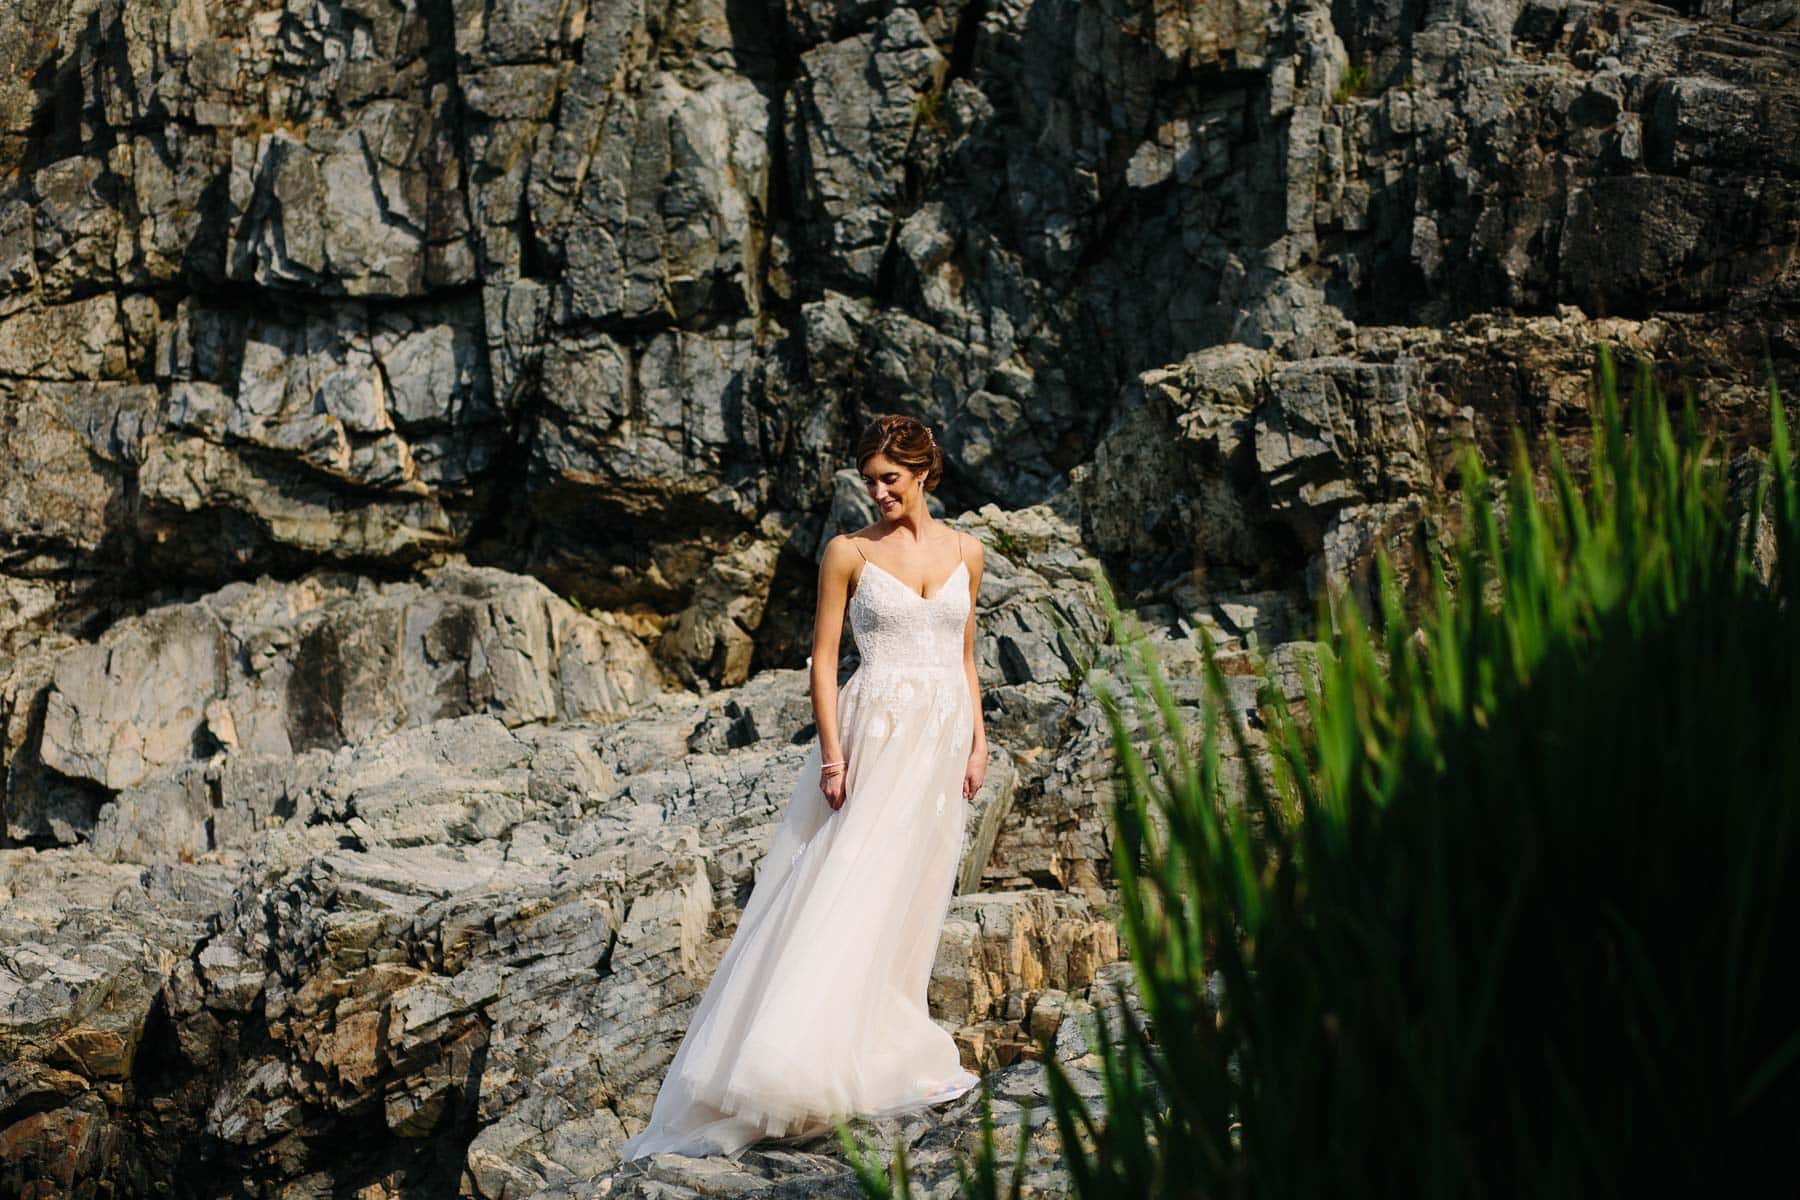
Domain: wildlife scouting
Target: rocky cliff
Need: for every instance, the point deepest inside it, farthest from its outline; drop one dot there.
(419, 420)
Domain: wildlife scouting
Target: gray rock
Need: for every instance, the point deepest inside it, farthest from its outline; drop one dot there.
(773, 705)
(1038, 611)
(68, 453)
(987, 812)
(322, 664)
(164, 818)
(639, 263)
(713, 639)
(349, 210)
(78, 235)
(853, 113)
(81, 339)
(1337, 432)
(652, 201)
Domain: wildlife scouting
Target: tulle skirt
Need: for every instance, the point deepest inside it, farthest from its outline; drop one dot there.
(817, 1010)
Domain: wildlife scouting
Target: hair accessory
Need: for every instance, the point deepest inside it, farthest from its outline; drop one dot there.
(930, 437)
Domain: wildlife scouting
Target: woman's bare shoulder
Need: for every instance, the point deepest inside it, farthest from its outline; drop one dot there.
(848, 539)
(840, 551)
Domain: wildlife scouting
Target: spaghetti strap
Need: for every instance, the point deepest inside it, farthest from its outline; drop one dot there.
(856, 580)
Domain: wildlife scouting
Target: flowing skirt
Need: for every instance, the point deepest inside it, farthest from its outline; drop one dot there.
(817, 1010)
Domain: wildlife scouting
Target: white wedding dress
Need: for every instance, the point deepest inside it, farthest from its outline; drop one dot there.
(817, 1010)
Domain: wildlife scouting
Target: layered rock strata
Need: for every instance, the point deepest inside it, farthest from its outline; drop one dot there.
(599, 295)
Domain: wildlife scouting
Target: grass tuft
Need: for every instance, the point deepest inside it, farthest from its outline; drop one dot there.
(1353, 86)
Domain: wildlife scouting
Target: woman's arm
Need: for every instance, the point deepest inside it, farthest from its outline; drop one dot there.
(828, 627)
(978, 748)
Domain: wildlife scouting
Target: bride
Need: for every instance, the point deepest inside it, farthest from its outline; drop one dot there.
(817, 1010)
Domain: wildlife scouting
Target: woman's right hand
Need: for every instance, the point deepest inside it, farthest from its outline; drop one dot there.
(831, 783)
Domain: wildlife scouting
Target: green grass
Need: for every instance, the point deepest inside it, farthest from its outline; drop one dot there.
(1506, 915)
(978, 1178)
(1007, 544)
(929, 110)
(1353, 86)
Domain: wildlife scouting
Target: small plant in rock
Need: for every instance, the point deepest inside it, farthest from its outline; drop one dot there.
(1353, 86)
(929, 110)
(1007, 544)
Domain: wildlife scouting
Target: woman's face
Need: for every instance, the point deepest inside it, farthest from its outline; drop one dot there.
(891, 486)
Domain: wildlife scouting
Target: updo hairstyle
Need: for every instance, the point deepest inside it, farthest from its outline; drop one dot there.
(907, 441)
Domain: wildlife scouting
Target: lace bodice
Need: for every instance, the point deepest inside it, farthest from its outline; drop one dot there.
(896, 627)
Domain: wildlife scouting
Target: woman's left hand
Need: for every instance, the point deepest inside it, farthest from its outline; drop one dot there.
(974, 773)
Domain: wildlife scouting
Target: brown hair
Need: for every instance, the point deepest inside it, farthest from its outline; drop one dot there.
(906, 440)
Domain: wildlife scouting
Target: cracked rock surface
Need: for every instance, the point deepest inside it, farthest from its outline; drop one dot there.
(420, 421)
